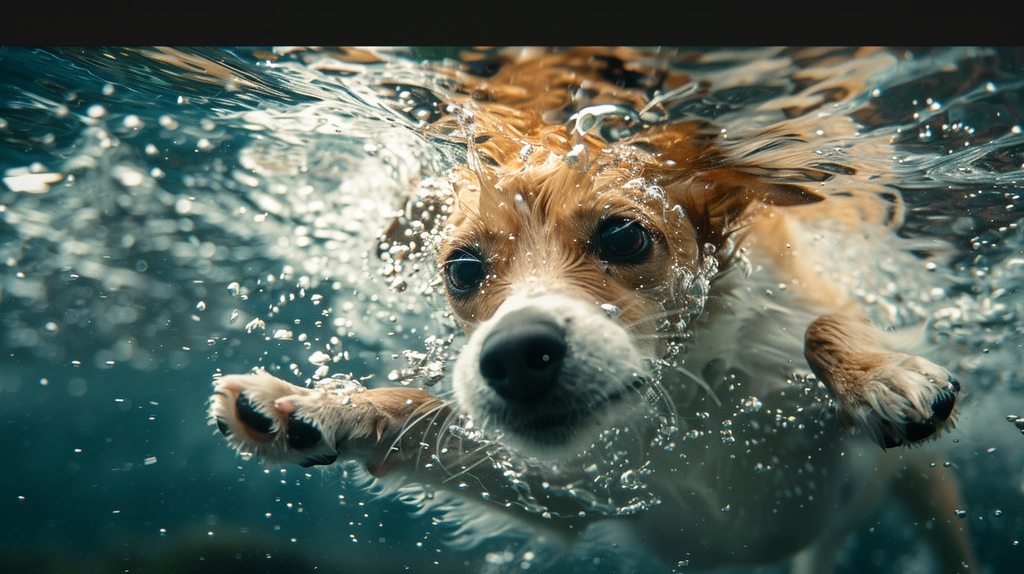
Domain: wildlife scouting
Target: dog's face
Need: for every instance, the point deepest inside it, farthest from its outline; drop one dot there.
(563, 277)
(571, 278)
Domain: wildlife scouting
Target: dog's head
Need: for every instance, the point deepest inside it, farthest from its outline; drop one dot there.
(571, 277)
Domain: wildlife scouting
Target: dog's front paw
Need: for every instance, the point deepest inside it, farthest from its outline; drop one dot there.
(904, 400)
(263, 416)
(898, 399)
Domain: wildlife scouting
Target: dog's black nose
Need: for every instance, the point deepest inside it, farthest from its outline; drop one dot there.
(521, 357)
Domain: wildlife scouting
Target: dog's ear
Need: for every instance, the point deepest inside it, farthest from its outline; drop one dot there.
(730, 191)
(720, 201)
(717, 197)
(420, 218)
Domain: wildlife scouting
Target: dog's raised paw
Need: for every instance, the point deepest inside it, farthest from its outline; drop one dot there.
(903, 400)
(275, 421)
(898, 399)
(258, 415)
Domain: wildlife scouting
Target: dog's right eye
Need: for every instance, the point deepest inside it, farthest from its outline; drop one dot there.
(623, 241)
(463, 272)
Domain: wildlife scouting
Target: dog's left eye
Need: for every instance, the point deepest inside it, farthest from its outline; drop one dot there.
(463, 272)
(623, 241)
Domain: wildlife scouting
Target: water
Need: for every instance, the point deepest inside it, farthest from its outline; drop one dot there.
(169, 214)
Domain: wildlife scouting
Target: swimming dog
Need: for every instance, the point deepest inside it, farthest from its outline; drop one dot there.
(619, 278)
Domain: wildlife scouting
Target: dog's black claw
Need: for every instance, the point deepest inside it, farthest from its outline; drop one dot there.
(322, 460)
(919, 431)
(943, 405)
(223, 428)
(250, 417)
(302, 434)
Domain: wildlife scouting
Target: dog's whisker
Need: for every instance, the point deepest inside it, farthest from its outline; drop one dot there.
(408, 425)
(466, 471)
(653, 386)
(658, 317)
(699, 380)
(442, 431)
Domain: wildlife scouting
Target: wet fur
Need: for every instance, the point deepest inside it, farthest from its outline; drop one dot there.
(533, 215)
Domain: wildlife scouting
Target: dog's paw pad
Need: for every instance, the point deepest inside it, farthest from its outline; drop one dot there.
(943, 405)
(250, 417)
(301, 434)
(319, 460)
(917, 432)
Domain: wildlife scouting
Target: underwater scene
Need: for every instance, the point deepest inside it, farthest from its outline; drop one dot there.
(171, 216)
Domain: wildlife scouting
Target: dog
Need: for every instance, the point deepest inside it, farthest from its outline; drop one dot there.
(664, 344)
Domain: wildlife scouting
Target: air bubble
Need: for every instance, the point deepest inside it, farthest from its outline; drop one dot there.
(167, 122)
(132, 121)
(612, 311)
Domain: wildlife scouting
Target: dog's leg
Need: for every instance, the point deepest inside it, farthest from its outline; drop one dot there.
(897, 398)
(929, 493)
(395, 432)
(932, 495)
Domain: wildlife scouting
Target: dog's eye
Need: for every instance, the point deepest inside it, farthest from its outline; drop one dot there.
(623, 241)
(463, 272)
